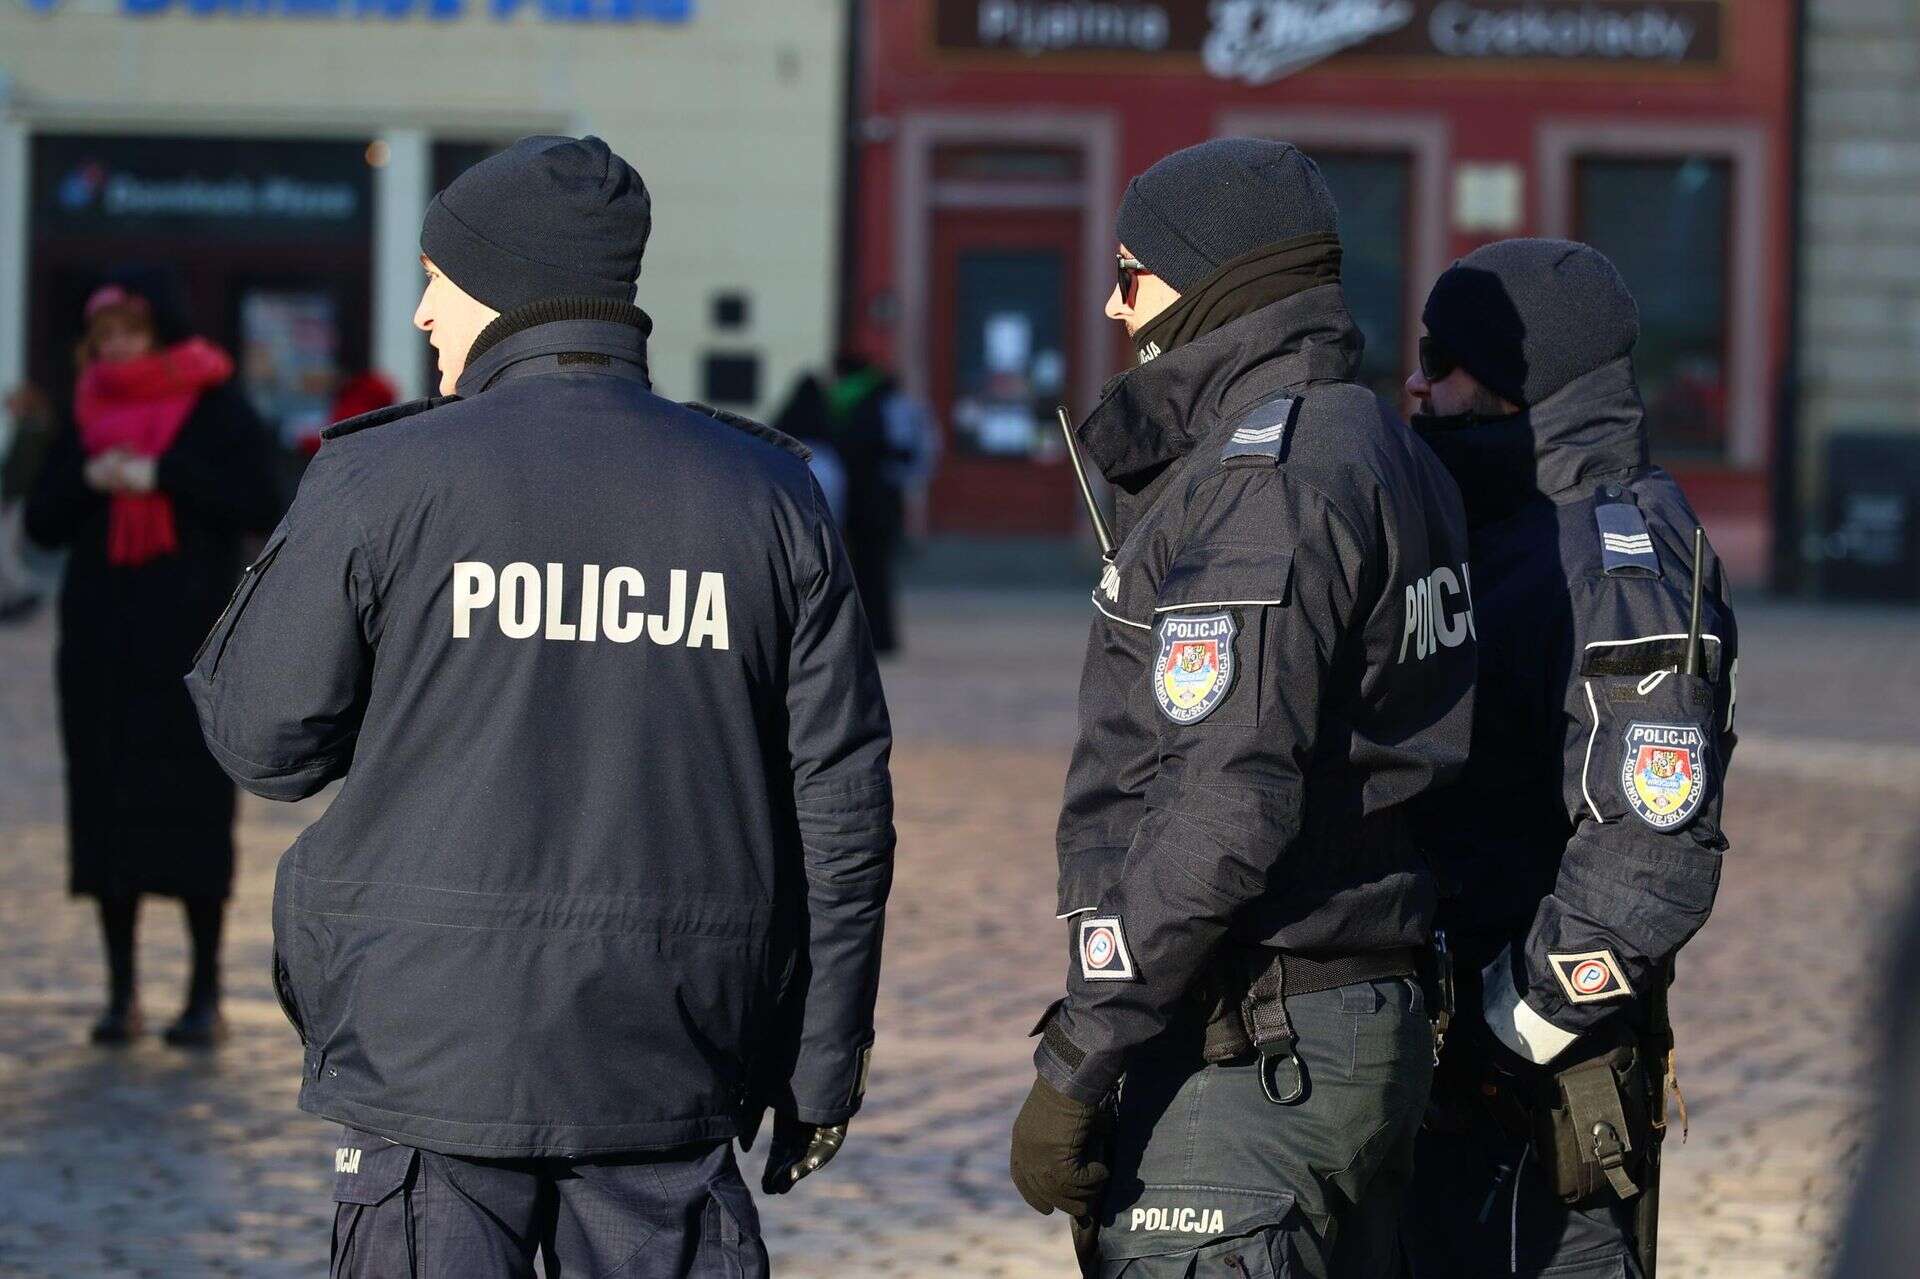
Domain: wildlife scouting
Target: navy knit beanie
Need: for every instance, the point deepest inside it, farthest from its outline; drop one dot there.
(549, 217)
(1526, 317)
(1202, 207)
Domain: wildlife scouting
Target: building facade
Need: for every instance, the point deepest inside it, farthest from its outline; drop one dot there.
(1856, 472)
(996, 136)
(276, 157)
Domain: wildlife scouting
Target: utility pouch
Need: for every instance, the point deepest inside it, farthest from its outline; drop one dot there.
(1596, 1130)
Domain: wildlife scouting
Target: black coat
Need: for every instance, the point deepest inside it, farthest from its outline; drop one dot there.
(1281, 657)
(147, 808)
(609, 865)
(1553, 847)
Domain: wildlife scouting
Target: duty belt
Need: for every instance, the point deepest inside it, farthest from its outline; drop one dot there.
(1259, 1022)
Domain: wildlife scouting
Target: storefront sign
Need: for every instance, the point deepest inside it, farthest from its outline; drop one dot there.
(238, 189)
(671, 11)
(1261, 40)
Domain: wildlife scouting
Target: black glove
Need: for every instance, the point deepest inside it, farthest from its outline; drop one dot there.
(1059, 1152)
(797, 1149)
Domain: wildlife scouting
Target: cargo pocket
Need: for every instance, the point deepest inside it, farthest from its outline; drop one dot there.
(216, 640)
(1208, 629)
(372, 1220)
(1650, 747)
(1173, 1232)
(733, 1232)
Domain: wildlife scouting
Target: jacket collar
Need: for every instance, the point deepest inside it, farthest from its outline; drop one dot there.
(531, 339)
(1156, 413)
(1591, 430)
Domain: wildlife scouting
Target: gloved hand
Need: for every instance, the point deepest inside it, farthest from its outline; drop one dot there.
(1059, 1152)
(798, 1149)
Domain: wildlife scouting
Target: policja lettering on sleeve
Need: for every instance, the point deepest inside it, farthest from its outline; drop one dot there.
(606, 604)
(1434, 622)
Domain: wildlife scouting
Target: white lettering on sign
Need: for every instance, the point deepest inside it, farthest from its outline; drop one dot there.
(1050, 26)
(1439, 613)
(1262, 40)
(527, 603)
(1651, 33)
(1186, 1221)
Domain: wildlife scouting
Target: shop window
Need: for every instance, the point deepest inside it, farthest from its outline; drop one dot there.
(1666, 225)
(1009, 351)
(1373, 191)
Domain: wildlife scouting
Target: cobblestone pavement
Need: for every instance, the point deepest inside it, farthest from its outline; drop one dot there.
(149, 1162)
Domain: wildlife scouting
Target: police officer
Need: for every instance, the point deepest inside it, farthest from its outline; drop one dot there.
(607, 873)
(1581, 847)
(1281, 658)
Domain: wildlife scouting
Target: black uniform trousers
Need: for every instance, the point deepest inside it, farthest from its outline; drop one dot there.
(402, 1213)
(1212, 1178)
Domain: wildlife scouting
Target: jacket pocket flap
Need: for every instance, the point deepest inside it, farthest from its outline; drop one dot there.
(1226, 575)
(369, 1169)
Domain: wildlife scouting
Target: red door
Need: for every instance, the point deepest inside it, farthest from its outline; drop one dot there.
(1004, 327)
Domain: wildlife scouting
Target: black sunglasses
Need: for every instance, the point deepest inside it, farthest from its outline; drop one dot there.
(1128, 272)
(1436, 362)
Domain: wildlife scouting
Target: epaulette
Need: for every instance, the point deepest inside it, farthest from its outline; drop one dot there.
(759, 430)
(380, 417)
(1626, 547)
(1259, 435)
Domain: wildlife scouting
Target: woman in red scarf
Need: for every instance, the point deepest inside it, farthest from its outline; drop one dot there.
(164, 471)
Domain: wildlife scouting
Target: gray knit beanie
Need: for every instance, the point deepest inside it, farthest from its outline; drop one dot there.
(1526, 317)
(1202, 207)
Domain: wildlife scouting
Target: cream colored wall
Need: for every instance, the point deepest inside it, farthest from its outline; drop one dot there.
(732, 118)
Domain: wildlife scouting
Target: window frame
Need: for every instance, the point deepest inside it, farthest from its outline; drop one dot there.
(1560, 145)
(1425, 141)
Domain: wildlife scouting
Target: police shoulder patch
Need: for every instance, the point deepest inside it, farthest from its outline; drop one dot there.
(1193, 668)
(1259, 437)
(1591, 976)
(1663, 772)
(381, 417)
(1626, 547)
(1103, 950)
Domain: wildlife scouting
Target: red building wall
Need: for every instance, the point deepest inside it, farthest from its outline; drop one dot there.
(1718, 116)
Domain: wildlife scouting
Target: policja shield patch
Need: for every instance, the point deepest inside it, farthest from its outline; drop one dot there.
(1194, 667)
(1663, 773)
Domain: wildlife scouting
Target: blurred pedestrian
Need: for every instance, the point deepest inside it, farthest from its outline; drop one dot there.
(162, 471)
(365, 392)
(804, 417)
(26, 432)
(864, 419)
(1581, 846)
(607, 879)
(1882, 1232)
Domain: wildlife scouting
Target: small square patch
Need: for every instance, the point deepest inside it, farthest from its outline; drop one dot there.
(1103, 950)
(1590, 977)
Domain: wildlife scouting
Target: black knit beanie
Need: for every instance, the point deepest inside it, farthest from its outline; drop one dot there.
(1526, 317)
(1209, 204)
(549, 217)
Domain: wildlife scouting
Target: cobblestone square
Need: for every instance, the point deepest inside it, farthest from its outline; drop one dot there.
(153, 1162)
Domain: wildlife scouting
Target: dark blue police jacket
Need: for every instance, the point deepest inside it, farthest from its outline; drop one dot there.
(1581, 847)
(609, 865)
